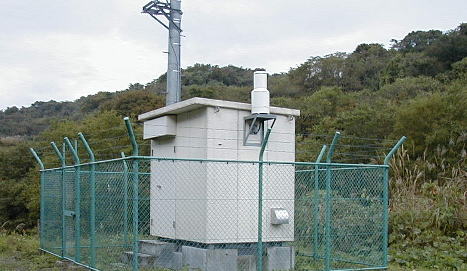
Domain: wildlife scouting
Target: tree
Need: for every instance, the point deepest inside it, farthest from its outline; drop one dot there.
(459, 70)
(451, 47)
(364, 66)
(279, 85)
(135, 86)
(105, 132)
(321, 71)
(433, 120)
(417, 41)
(16, 185)
(134, 102)
(411, 64)
(92, 103)
(327, 102)
(404, 89)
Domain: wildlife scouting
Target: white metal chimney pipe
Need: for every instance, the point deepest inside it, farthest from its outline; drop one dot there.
(260, 94)
(260, 79)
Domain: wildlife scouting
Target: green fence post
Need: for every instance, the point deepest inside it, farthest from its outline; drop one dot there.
(61, 157)
(131, 134)
(394, 150)
(315, 216)
(135, 173)
(77, 217)
(328, 218)
(335, 140)
(125, 200)
(387, 159)
(38, 159)
(259, 252)
(92, 215)
(42, 198)
(328, 228)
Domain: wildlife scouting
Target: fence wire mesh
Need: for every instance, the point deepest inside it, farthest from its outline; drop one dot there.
(189, 214)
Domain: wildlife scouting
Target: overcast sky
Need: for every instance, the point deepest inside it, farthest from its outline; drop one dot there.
(65, 49)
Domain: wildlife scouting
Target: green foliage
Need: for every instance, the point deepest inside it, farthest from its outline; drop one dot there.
(432, 250)
(204, 74)
(328, 102)
(375, 119)
(451, 47)
(459, 69)
(404, 89)
(133, 103)
(457, 73)
(18, 188)
(19, 252)
(364, 67)
(280, 86)
(446, 48)
(410, 64)
(105, 133)
(91, 103)
(31, 120)
(319, 71)
(417, 41)
(218, 91)
(433, 120)
(15, 162)
(428, 212)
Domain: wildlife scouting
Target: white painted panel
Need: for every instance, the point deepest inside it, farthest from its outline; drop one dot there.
(283, 125)
(280, 156)
(222, 181)
(191, 220)
(224, 118)
(248, 220)
(280, 146)
(247, 181)
(251, 154)
(222, 220)
(162, 204)
(162, 218)
(278, 181)
(191, 201)
(162, 179)
(281, 137)
(194, 119)
(162, 148)
(162, 126)
(190, 180)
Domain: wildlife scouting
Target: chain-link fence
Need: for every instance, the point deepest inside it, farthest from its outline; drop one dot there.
(189, 214)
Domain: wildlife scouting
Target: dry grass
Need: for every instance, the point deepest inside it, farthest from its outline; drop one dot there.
(20, 252)
(429, 211)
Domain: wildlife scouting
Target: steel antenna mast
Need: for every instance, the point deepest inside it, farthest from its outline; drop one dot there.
(173, 13)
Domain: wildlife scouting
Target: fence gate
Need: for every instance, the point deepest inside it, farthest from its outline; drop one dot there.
(71, 213)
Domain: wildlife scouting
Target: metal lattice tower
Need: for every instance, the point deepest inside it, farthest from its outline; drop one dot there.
(173, 13)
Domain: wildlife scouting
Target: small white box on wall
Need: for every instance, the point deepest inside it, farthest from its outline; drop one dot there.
(162, 126)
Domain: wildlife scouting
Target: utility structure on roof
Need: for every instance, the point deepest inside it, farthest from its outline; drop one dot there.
(173, 13)
(217, 218)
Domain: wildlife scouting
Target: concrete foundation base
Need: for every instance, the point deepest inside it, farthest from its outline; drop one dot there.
(176, 257)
